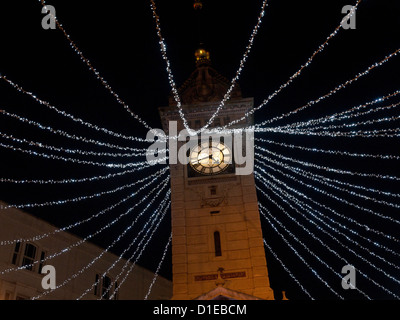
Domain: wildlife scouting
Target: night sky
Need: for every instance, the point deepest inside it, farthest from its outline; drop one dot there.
(120, 41)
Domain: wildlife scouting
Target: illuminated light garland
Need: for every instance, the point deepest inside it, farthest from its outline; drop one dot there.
(153, 218)
(310, 210)
(324, 180)
(65, 114)
(391, 157)
(154, 177)
(297, 73)
(340, 200)
(90, 264)
(158, 268)
(287, 270)
(347, 134)
(163, 49)
(363, 226)
(141, 252)
(326, 246)
(328, 169)
(262, 209)
(91, 68)
(157, 217)
(241, 64)
(72, 180)
(62, 202)
(340, 224)
(298, 254)
(80, 242)
(66, 134)
(334, 152)
(347, 114)
(259, 128)
(345, 201)
(354, 124)
(78, 161)
(333, 91)
(319, 240)
(74, 151)
(333, 251)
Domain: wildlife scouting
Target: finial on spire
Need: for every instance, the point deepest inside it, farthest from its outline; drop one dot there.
(197, 5)
(202, 56)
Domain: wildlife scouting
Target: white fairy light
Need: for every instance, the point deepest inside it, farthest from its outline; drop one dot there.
(340, 199)
(347, 114)
(263, 210)
(258, 127)
(90, 264)
(299, 255)
(387, 133)
(141, 164)
(152, 218)
(141, 251)
(74, 151)
(158, 215)
(153, 178)
(324, 180)
(345, 201)
(287, 270)
(96, 73)
(296, 128)
(329, 151)
(61, 202)
(333, 91)
(70, 116)
(361, 225)
(80, 242)
(334, 212)
(295, 75)
(354, 124)
(329, 169)
(233, 81)
(66, 134)
(158, 268)
(322, 243)
(319, 240)
(312, 212)
(72, 180)
(334, 238)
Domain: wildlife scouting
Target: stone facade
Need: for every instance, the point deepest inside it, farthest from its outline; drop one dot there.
(26, 284)
(223, 203)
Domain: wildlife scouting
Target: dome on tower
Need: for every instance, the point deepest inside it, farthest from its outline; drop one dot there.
(202, 56)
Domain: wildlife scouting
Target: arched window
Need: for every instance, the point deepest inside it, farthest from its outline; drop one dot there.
(217, 244)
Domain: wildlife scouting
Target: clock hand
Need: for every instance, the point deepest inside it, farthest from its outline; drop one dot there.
(199, 159)
(215, 160)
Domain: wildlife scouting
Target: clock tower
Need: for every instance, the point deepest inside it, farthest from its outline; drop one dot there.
(217, 241)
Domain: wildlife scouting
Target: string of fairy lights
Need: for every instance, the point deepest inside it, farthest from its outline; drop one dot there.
(308, 223)
(163, 49)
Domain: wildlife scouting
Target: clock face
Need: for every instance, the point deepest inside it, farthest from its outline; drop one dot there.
(210, 157)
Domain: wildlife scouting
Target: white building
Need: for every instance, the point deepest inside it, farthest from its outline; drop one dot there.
(26, 283)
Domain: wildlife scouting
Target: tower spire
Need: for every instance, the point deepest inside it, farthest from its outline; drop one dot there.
(202, 55)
